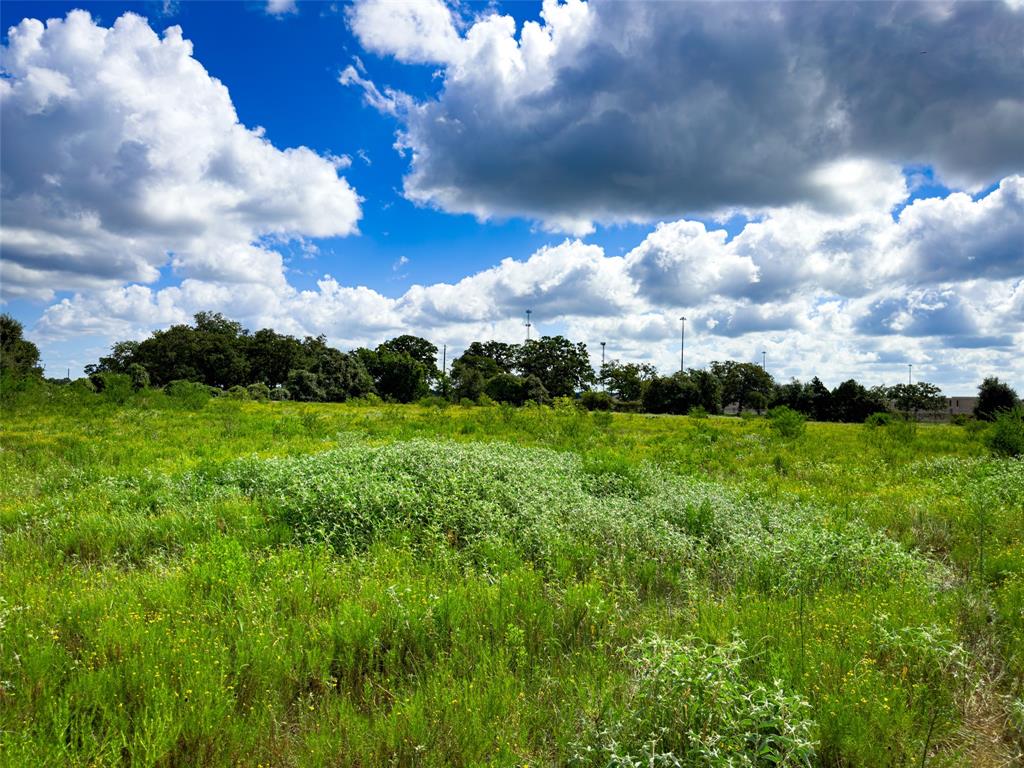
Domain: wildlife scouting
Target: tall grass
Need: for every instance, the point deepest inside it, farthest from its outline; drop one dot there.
(365, 584)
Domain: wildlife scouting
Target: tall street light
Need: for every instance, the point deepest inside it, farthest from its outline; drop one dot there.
(602, 365)
(682, 344)
(528, 323)
(910, 374)
(764, 359)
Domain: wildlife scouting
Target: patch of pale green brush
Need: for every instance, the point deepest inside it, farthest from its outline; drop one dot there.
(692, 704)
(551, 505)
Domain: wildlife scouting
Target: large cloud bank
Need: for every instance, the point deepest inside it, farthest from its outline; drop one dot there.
(123, 160)
(121, 156)
(609, 111)
(837, 296)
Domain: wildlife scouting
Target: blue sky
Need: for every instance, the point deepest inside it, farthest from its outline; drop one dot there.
(690, 168)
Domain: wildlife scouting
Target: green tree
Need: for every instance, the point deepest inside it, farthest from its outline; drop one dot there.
(122, 355)
(852, 402)
(271, 355)
(506, 388)
(676, 394)
(340, 375)
(504, 356)
(400, 377)
(19, 357)
(709, 389)
(468, 378)
(994, 396)
(304, 386)
(419, 349)
(627, 381)
(911, 399)
(212, 351)
(562, 367)
(794, 395)
(821, 400)
(744, 384)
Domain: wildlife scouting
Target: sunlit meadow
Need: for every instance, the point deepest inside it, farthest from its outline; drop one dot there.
(275, 584)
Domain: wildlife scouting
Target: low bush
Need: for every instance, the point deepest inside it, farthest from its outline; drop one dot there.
(596, 401)
(259, 391)
(189, 395)
(786, 422)
(880, 419)
(114, 387)
(1006, 435)
(237, 392)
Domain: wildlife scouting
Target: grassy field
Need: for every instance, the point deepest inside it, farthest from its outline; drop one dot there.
(277, 584)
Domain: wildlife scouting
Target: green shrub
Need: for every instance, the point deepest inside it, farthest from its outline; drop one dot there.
(114, 387)
(190, 395)
(596, 401)
(259, 391)
(139, 376)
(280, 393)
(83, 385)
(237, 392)
(1006, 435)
(698, 412)
(880, 419)
(787, 422)
(305, 386)
(961, 419)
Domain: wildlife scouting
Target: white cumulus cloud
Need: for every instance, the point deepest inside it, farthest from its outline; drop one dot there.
(121, 156)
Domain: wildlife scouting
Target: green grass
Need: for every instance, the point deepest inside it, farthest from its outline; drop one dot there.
(281, 584)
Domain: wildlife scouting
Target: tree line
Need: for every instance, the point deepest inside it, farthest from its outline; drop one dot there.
(223, 356)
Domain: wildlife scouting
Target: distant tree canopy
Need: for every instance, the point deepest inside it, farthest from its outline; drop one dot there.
(219, 352)
(853, 402)
(682, 392)
(551, 366)
(561, 366)
(911, 399)
(994, 396)
(420, 350)
(746, 384)
(627, 381)
(19, 357)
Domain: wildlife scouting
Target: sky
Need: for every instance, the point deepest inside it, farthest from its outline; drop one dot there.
(835, 188)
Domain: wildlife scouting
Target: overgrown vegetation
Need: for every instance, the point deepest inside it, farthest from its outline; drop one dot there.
(187, 580)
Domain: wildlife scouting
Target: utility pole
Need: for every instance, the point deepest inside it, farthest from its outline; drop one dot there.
(764, 359)
(682, 345)
(528, 323)
(444, 359)
(603, 385)
(910, 374)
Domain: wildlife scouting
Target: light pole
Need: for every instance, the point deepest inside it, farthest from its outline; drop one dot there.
(682, 344)
(528, 323)
(764, 359)
(602, 366)
(910, 374)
